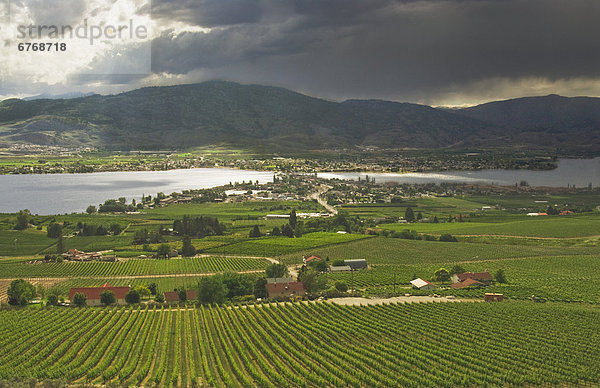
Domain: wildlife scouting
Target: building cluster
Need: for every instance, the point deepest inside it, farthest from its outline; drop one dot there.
(76, 255)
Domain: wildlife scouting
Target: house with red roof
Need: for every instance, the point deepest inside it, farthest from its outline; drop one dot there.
(482, 277)
(92, 294)
(308, 259)
(466, 284)
(285, 289)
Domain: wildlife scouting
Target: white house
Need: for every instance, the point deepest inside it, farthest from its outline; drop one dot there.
(421, 284)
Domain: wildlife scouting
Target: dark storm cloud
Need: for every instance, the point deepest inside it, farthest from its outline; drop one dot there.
(384, 47)
(208, 13)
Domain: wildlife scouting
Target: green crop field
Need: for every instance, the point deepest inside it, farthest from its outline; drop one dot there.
(382, 250)
(317, 344)
(275, 246)
(132, 267)
(561, 278)
(551, 226)
(163, 283)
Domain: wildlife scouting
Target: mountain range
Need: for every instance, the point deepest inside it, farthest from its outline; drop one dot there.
(272, 118)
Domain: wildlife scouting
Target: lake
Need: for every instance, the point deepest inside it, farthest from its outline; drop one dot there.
(67, 193)
(578, 172)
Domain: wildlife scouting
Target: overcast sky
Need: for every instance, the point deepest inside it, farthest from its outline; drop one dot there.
(437, 52)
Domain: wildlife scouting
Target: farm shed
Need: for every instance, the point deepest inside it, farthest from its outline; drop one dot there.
(92, 294)
(339, 268)
(356, 264)
(491, 297)
(421, 284)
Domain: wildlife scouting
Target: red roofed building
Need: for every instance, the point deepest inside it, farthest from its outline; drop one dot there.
(483, 277)
(308, 259)
(92, 294)
(275, 290)
(466, 284)
(173, 296)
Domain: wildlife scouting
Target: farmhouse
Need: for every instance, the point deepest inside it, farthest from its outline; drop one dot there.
(356, 264)
(92, 294)
(466, 284)
(421, 284)
(173, 296)
(286, 288)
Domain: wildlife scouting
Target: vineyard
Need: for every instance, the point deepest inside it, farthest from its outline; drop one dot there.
(560, 278)
(134, 267)
(384, 250)
(315, 344)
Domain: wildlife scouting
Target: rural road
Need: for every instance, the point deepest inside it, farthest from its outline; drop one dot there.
(321, 201)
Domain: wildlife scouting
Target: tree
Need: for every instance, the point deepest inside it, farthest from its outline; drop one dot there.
(153, 287)
(60, 245)
(287, 230)
(143, 291)
(255, 232)
(163, 251)
(446, 237)
(187, 250)
(79, 299)
(419, 216)
(442, 275)
(20, 292)
(313, 281)
(457, 269)
(319, 265)
(107, 297)
(90, 209)
(132, 297)
(499, 276)
(276, 271)
(159, 298)
(409, 215)
(52, 296)
(22, 219)
(276, 232)
(116, 229)
(211, 290)
(260, 287)
(54, 230)
(293, 219)
(341, 286)
(182, 294)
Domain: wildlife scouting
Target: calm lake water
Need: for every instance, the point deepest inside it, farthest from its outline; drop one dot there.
(578, 172)
(67, 193)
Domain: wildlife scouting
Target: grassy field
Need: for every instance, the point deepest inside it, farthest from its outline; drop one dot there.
(308, 344)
